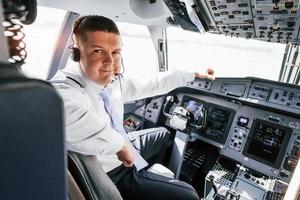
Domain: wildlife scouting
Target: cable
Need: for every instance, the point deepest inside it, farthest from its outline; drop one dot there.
(118, 77)
(16, 11)
(15, 36)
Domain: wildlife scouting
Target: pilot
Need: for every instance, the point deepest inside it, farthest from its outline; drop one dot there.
(94, 94)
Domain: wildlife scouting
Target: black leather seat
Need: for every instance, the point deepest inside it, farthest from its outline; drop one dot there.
(32, 151)
(91, 179)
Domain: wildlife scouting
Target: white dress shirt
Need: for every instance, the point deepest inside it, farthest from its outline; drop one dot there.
(88, 128)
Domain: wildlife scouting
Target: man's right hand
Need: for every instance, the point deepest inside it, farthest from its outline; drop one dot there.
(126, 155)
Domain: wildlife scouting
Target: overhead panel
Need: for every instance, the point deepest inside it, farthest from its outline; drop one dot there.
(267, 20)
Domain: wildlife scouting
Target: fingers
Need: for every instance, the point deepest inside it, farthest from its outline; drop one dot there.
(127, 164)
(209, 74)
(205, 76)
(210, 77)
(126, 155)
(210, 71)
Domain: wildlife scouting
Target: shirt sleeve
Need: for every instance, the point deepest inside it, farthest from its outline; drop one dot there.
(85, 131)
(162, 83)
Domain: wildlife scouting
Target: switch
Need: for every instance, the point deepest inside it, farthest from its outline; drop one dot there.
(259, 10)
(243, 121)
(289, 4)
(291, 24)
(212, 3)
(247, 176)
(245, 12)
(294, 10)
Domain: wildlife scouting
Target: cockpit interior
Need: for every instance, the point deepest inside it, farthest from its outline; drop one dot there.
(235, 138)
(236, 134)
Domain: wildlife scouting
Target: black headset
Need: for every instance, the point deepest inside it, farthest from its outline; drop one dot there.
(75, 52)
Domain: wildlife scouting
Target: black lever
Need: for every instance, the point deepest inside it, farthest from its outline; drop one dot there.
(216, 196)
(232, 195)
(211, 179)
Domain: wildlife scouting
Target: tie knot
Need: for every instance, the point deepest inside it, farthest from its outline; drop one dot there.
(105, 97)
(104, 94)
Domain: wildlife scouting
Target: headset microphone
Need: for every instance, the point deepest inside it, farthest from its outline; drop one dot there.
(123, 69)
(118, 76)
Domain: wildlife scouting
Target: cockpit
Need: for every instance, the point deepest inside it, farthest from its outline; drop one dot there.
(235, 137)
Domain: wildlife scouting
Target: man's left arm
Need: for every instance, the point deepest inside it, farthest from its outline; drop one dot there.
(162, 83)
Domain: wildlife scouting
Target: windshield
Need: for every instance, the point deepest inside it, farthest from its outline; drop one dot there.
(138, 52)
(40, 39)
(228, 56)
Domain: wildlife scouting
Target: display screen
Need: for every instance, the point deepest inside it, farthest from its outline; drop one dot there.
(218, 119)
(267, 142)
(195, 110)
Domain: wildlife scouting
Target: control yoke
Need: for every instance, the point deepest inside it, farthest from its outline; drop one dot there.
(181, 117)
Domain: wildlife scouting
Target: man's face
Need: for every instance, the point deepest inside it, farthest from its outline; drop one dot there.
(100, 55)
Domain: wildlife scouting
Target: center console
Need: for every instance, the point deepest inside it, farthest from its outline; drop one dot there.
(242, 183)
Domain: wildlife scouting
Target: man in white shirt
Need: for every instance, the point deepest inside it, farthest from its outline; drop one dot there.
(90, 125)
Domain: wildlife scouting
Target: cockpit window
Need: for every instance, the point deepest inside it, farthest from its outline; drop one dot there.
(40, 39)
(229, 56)
(138, 52)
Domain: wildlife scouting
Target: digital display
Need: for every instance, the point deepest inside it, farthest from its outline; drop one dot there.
(243, 121)
(218, 119)
(195, 110)
(267, 142)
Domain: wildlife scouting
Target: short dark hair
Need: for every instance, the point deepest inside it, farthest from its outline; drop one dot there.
(92, 23)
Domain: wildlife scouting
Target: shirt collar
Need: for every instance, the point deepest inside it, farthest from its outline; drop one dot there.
(74, 70)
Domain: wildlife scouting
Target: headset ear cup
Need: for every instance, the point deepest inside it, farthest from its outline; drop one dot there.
(75, 54)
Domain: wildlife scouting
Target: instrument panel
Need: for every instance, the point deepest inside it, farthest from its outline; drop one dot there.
(267, 20)
(244, 121)
(218, 118)
(250, 135)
